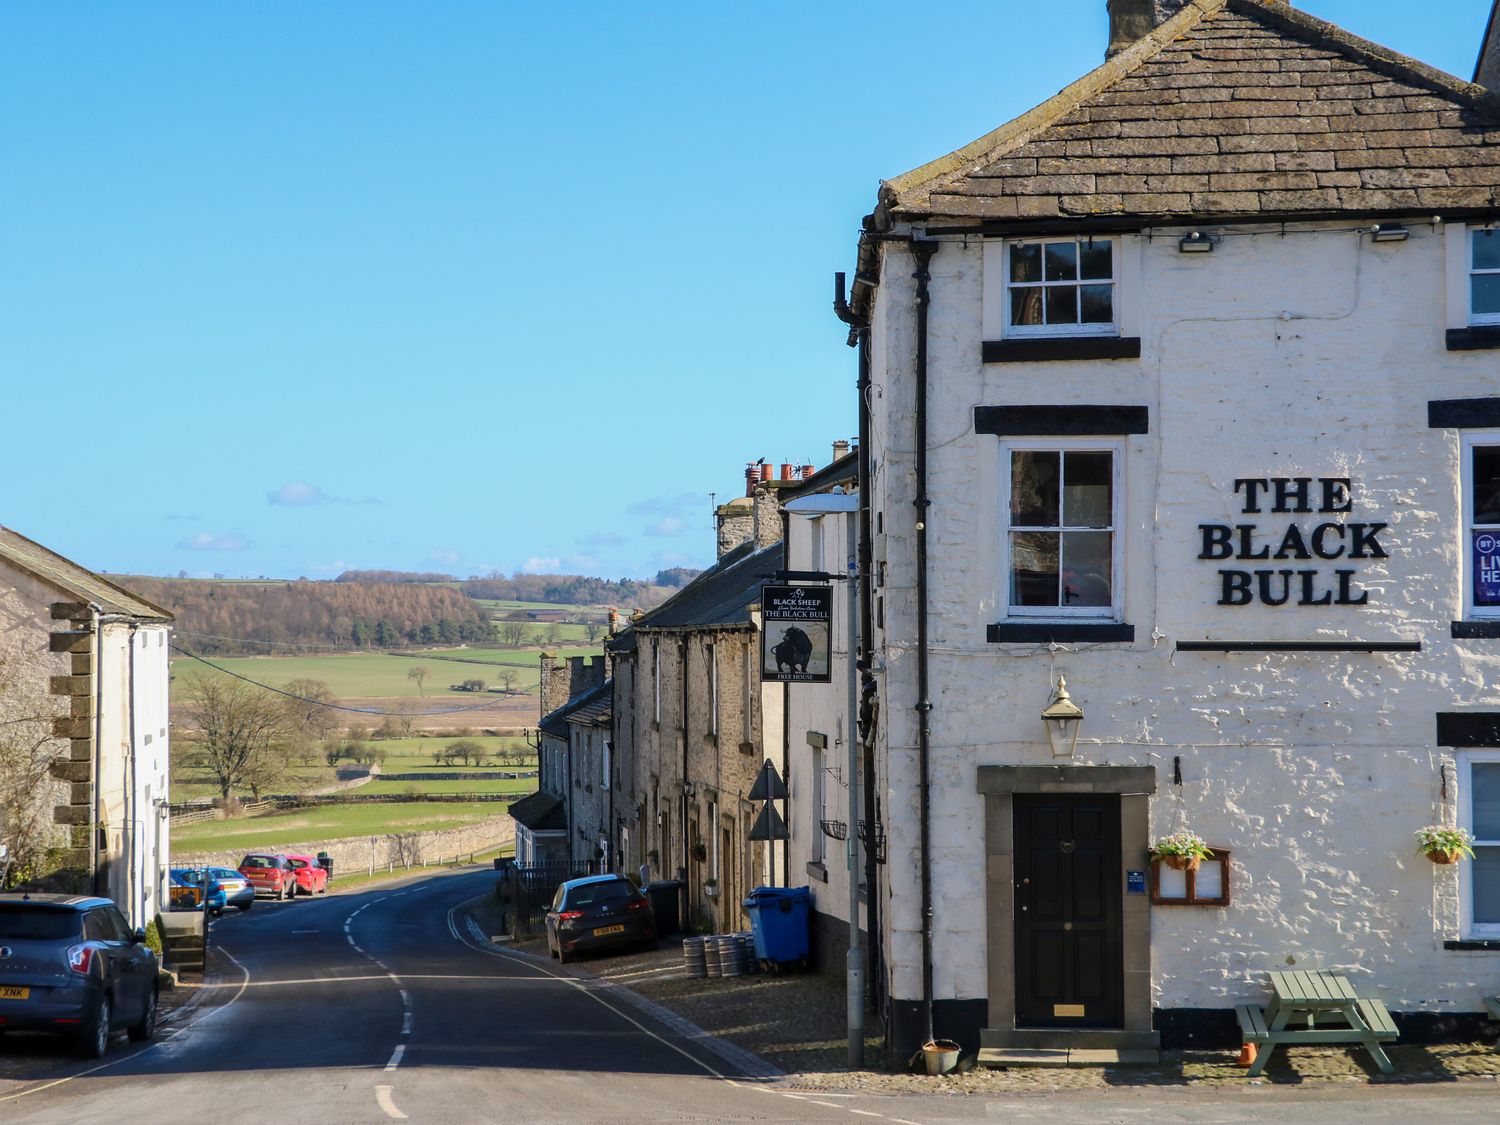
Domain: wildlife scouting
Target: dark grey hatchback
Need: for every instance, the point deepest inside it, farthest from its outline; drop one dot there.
(70, 965)
(598, 912)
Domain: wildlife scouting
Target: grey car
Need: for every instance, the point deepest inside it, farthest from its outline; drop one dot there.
(70, 965)
(596, 913)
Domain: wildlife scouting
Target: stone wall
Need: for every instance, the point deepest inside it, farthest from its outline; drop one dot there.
(358, 853)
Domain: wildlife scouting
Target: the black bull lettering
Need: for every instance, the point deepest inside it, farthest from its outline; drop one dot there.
(794, 651)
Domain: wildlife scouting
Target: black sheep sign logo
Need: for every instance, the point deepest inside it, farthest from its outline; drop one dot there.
(794, 635)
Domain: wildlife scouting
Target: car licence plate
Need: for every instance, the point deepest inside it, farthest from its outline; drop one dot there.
(602, 930)
(14, 992)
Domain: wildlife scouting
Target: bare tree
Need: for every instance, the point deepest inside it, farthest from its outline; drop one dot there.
(507, 680)
(468, 751)
(239, 732)
(554, 633)
(592, 629)
(418, 674)
(512, 633)
(405, 717)
(27, 750)
(311, 718)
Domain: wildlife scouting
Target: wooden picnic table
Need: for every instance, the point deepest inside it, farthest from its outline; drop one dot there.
(1325, 1008)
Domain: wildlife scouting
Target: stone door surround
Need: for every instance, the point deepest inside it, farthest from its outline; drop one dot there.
(998, 784)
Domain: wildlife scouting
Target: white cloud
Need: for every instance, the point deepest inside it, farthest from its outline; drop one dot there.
(665, 527)
(583, 564)
(212, 541)
(298, 494)
(680, 505)
(445, 557)
(602, 539)
(541, 564)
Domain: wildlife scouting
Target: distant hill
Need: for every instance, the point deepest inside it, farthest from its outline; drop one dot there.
(237, 618)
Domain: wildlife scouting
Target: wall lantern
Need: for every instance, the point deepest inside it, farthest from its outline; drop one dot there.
(1389, 232)
(1063, 717)
(1196, 242)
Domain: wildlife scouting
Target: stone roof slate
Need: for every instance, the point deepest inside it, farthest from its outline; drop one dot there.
(585, 706)
(540, 812)
(719, 598)
(74, 581)
(1231, 108)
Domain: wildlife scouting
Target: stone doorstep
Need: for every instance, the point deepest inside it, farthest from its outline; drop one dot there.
(1001, 1057)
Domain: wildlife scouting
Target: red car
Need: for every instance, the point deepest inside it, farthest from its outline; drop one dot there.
(270, 875)
(311, 878)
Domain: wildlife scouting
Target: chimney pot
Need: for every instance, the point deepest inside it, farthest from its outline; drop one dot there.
(786, 471)
(766, 471)
(840, 449)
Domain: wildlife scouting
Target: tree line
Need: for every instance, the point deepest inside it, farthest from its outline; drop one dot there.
(229, 618)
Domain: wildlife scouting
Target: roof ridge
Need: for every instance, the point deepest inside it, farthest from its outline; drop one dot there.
(1018, 130)
(59, 581)
(1376, 54)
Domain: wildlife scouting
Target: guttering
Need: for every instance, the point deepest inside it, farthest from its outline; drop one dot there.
(923, 250)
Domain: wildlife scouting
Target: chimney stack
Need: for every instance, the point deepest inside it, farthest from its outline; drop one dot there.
(840, 450)
(1130, 20)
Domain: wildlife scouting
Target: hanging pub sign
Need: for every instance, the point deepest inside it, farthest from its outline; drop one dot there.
(795, 634)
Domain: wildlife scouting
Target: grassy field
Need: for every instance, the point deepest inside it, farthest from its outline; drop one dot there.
(520, 786)
(403, 755)
(379, 675)
(330, 823)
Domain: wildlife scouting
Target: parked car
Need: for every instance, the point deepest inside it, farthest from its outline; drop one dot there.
(270, 875)
(70, 965)
(238, 892)
(598, 912)
(185, 885)
(311, 879)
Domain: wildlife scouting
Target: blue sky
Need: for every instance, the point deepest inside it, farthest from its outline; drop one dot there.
(288, 289)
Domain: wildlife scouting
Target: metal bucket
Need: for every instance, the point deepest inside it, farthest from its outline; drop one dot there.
(940, 1055)
(693, 957)
(747, 943)
(711, 957)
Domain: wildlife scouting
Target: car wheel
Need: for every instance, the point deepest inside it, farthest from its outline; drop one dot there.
(144, 1031)
(244, 906)
(289, 892)
(93, 1041)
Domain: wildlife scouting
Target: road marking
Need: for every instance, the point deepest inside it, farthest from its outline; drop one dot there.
(864, 1112)
(406, 1022)
(305, 931)
(383, 1100)
(396, 1056)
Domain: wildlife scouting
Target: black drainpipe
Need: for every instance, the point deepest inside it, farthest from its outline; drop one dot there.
(859, 337)
(923, 251)
(687, 847)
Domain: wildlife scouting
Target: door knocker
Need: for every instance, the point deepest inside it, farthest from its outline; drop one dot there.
(1067, 847)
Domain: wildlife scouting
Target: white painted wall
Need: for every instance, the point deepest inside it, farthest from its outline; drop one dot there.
(1312, 354)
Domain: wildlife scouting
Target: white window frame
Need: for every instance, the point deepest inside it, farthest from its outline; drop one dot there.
(997, 288)
(606, 757)
(815, 846)
(1116, 448)
(1468, 928)
(712, 655)
(1470, 439)
(1470, 273)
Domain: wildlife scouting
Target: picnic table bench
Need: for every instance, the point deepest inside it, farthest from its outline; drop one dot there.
(1327, 1010)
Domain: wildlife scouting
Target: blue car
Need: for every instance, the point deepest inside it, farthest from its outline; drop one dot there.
(187, 890)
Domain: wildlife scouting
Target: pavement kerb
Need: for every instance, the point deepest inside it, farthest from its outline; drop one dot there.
(746, 1064)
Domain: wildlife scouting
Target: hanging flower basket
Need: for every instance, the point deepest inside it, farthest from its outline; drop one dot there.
(1182, 851)
(1444, 845)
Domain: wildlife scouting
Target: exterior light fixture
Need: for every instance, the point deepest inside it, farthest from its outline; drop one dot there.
(1389, 232)
(1062, 717)
(1196, 242)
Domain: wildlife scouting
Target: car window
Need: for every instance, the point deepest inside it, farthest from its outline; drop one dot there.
(28, 921)
(297, 864)
(258, 861)
(225, 873)
(117, 920)
(600, 894)
(557, 899)
(97, 926)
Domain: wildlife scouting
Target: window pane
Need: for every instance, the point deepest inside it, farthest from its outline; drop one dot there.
(1486, 484)
(1026, 261)
(1096, 259)
(1033, 488)
(1087, 483)
(1486, 874)
(1062, 261)
(1033, 568)
(1486, 293)
(1086, 568)
(1026, 306)
(1486, 249)
(1485, 780)
(1062, 304)
(1098, 303)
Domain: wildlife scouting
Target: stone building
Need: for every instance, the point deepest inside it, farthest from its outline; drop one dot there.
(1189, 398)
(84, 744)
(563, 821)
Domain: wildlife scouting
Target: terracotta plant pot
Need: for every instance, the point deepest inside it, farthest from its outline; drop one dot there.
(1444, 857)
(1181, 862)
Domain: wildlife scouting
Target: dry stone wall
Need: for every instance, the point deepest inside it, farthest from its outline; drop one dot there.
(359, 853)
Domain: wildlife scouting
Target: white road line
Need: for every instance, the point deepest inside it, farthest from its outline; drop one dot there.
(826, 1105)
(406, 1022)
(396, 1056)
(383, 1100)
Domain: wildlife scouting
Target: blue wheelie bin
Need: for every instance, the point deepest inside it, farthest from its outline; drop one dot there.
(779, 922)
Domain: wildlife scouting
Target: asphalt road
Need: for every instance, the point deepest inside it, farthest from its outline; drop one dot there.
(378, 1006)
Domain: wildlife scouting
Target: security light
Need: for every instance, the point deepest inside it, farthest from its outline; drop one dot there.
(1196, 242)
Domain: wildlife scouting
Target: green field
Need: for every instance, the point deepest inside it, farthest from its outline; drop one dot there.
(403, 755)
(329, 823)
(520, 786)
(368, 675)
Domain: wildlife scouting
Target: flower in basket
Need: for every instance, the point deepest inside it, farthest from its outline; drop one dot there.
(1442, 844)
(1182, 851)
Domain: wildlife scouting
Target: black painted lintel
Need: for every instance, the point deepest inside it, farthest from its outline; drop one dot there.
(1299, 646)
(1463, 413)
(1475, 339)
(1045, 632)
(1475, 630)
(1474, 945)
(1062, 420)
(1039, 349)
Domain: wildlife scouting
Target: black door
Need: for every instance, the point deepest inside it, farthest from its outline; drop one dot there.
(1069, 964)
